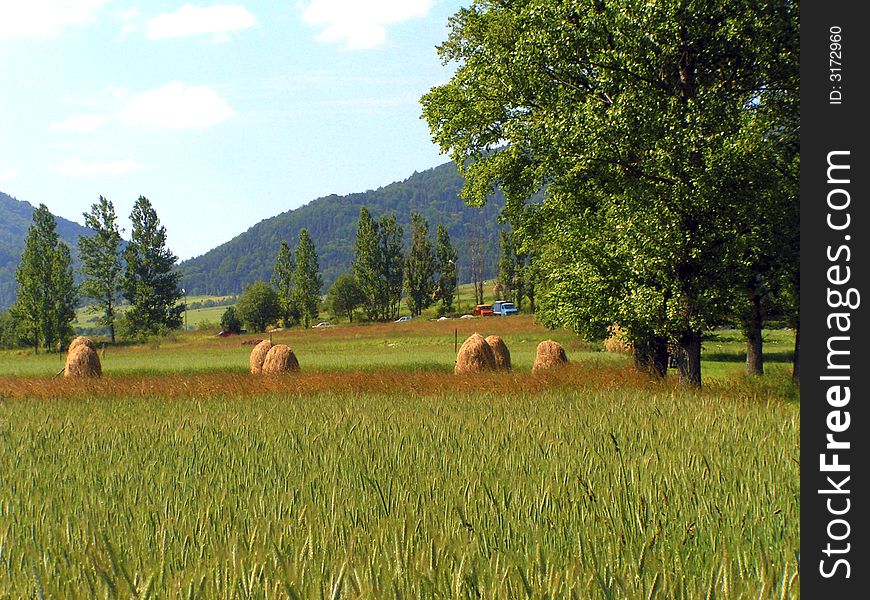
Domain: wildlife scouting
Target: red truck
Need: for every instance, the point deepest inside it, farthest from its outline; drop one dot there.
(482, 310)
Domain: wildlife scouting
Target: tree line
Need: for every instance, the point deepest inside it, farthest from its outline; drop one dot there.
(140, 272)
(382, 274)
(666, 141)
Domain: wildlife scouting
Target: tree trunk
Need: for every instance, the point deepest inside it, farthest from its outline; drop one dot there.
(112, 333)
(752, 329)
(651, 356)
(690, 359)
(795, 373)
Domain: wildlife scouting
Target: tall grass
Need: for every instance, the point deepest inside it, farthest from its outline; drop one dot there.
(502, 487)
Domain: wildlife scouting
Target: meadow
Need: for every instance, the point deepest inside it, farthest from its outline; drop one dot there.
(375, 472)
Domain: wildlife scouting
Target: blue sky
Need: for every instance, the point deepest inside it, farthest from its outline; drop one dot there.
(222, 114)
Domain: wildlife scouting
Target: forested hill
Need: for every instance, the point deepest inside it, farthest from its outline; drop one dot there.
(332, 222)
(15, 217)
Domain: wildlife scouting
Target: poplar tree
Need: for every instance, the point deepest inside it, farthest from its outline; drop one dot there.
(282, 280)
(420, 266)
(445, 254)
(46, 295)
(366, 264)
(391, 266)
(100, 256)
(307, 282)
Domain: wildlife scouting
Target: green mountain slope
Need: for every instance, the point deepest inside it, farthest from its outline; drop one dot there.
(15, 217)
(332, 222)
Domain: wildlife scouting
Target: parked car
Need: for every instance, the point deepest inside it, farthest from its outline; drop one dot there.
(503, 308)
(226, 333)
(323, 324)
(482, 310)
(402, 319)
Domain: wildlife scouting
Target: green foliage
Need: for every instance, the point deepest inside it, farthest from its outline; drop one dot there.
(282, 280)
(15, 218)
(651, 125)
(379, 265)
(345, 296)
(46, 294)
(307, 281)
(366, 269)
(101, 263)
(10, 336)
(420, 267)
(391, 266)
(445, 256)
(259, 306)
(150, 282)
(230, 321)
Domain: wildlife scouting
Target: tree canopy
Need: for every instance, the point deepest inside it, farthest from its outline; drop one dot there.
(649, 125)
(150, 281)
(100, 255)
(46, 294)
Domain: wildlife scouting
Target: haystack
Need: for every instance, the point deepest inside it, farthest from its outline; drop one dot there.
(82, 361)
(550, 354)
(500, 352)
(258, 355)
(615, 342)
(82, 341)
(474, 356)
(280, 359)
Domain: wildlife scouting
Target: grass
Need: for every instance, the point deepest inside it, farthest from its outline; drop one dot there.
(375, 472)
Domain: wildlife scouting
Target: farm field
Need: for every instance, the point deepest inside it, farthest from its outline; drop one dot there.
(375, 472)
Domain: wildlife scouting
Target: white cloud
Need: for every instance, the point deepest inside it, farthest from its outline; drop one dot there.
(76, 167)
(43, 19)
(189, 20)
(176, 106)
(360, 24)
(8, 175)
(80, 123)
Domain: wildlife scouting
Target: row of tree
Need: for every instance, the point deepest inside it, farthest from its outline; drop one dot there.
(665, 136)
(142, 273)
(382, 273)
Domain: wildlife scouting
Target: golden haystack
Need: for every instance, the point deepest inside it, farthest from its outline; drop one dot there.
(550, 354)
(258, 355)
(81, 340)
(280, 359)
(615, 342)
(474, 356)
(500, 352)
(82, 361)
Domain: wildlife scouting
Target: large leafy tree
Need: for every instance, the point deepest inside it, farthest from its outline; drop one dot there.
(420, 266)
(100, 256)
(150, 281)
(307, 282)
(345, 296)
(46, 296)
(638, 118)
(282, 279)
(259, 306)
(445, 254)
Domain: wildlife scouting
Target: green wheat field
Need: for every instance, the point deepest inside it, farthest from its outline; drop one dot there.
(377, 473)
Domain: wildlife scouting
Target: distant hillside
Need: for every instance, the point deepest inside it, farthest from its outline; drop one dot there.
(15, 217)
(332, 223)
